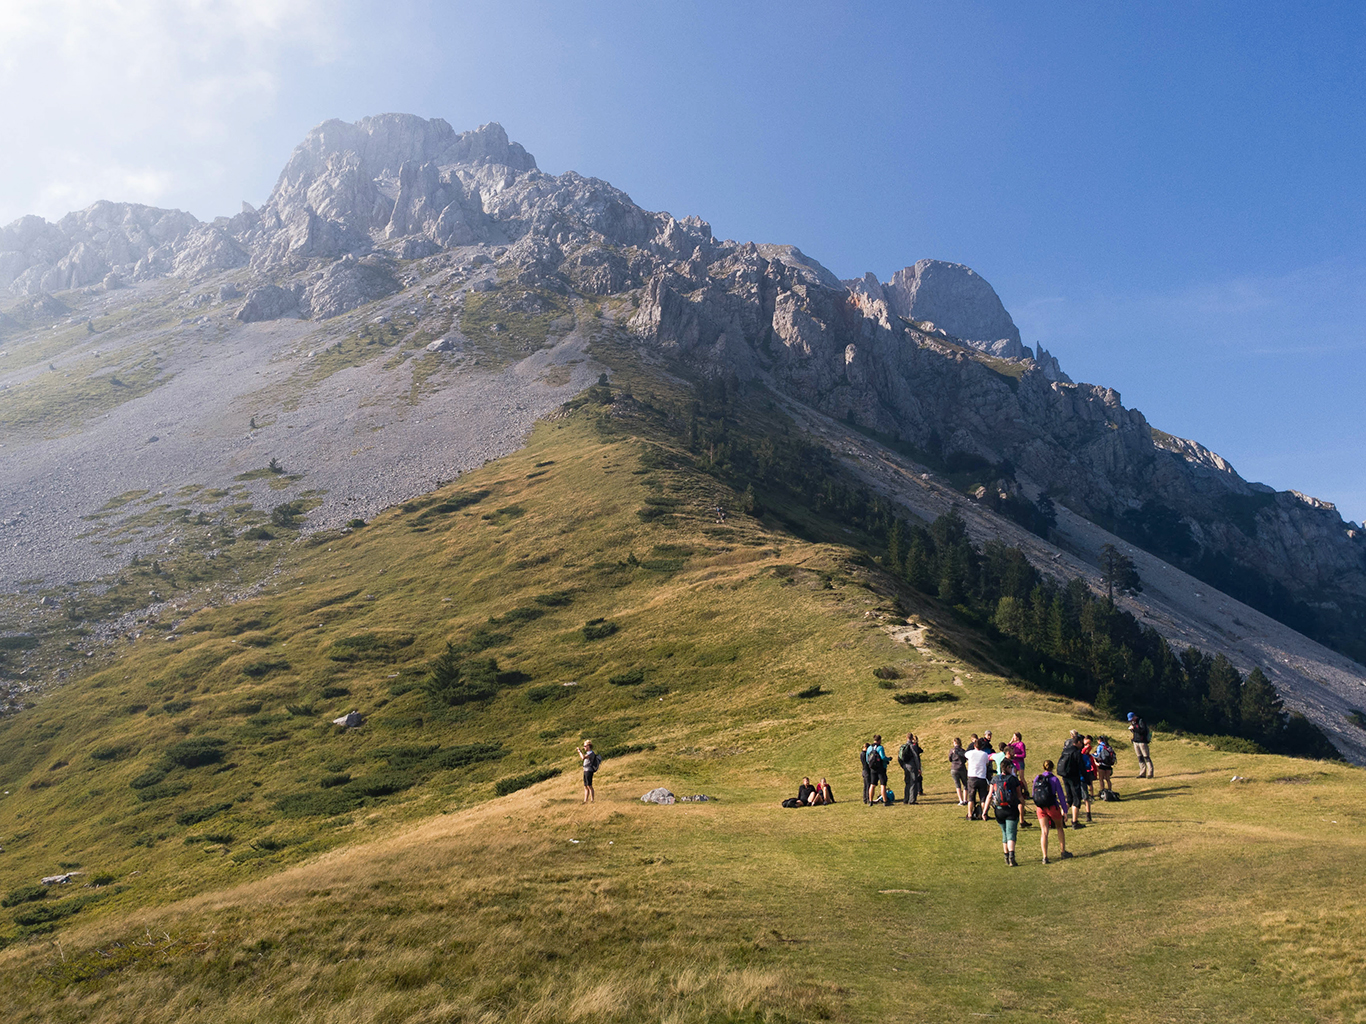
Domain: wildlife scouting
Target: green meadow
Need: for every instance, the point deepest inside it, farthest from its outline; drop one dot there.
(238, 857)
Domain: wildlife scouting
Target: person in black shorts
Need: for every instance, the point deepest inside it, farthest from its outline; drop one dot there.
(591, 763)
(1072, 771)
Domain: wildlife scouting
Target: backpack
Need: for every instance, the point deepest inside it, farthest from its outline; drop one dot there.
(792, 801)
(1043, 791)
(594, 761)
(875, 761)
(1069, 762)
(888, 797)
(1105, 755)
(999, 798)
(906, 756)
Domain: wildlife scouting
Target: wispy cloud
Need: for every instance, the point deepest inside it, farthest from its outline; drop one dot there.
(127, 99)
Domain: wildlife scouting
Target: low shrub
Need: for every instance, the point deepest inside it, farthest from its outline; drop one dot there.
(555, 599)
(162, 791)
(381, 783)
(632, 678)
(469, 753)
(25, 894)
(327, 802)
(523, 614)
(202, 814)
(598, 629)
(193, 753)
(369, 647)
(887, 672)
(809, 692)
(329, 692)
(513, 783)
(335, 779)
(924, 697)
(149, 778)
(260, 669)
(549, 691)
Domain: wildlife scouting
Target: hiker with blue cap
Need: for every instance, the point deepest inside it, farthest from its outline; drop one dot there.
(1141, 734)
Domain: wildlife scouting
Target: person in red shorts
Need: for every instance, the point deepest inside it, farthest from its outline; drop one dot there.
(1050, 807)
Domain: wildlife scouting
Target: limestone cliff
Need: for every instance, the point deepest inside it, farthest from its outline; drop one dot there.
(930, 359)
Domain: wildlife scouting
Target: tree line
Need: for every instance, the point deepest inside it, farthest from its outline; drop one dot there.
(1054, 635)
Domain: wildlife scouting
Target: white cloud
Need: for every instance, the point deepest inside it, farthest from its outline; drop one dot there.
(99, 92)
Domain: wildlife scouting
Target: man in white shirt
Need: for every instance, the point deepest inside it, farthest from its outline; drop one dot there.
(978, 759)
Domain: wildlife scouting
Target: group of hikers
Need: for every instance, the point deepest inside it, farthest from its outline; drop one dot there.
(990, 781)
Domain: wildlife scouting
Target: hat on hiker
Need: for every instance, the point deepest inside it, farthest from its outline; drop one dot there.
(1132, 716)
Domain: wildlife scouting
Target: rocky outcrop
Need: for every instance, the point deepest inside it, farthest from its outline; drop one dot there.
(349, 283)
(270, 302)
(952, 298)
(133, 242)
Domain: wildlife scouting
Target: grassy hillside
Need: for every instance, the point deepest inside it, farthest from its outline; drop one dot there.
(242, 858)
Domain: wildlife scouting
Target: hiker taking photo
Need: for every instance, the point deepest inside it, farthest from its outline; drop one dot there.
(591, 763)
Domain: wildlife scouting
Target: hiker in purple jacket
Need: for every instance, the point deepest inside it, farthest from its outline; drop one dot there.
(1050, 808)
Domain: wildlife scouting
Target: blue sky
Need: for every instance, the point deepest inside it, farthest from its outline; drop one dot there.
(1167, 196)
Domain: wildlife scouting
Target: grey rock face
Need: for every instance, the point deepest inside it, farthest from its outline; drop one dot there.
(269, 302)
(954, 298)
(349, 283)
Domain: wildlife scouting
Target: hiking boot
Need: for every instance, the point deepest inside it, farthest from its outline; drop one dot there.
(1066, 854)
(1088, 817)
(1078, 825)
(1010, 859)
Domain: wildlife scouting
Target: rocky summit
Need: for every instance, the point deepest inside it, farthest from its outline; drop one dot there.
(930, 363)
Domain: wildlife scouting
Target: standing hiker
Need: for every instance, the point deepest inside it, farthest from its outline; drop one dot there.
(958, 770)
(1017, 750)
(867, 773)
(1105, 765)
(909, 759)
(1141, 736)
(591, 763)
(1007, 801)
(1050, 807)
(1072, 769)
(978, 760)
(877, 770)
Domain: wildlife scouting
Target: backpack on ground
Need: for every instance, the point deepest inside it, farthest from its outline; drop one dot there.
(888, 797)
(792, 801)
(1109, 795)
(1043, 791)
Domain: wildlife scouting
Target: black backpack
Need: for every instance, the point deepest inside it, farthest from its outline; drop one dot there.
(1043, 791)
(874, 761)
(1069, 762)
(594, 761)
(1003, 794)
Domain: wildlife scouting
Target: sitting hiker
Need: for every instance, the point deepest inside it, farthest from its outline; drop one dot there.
(823, 794)
(805, 792)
